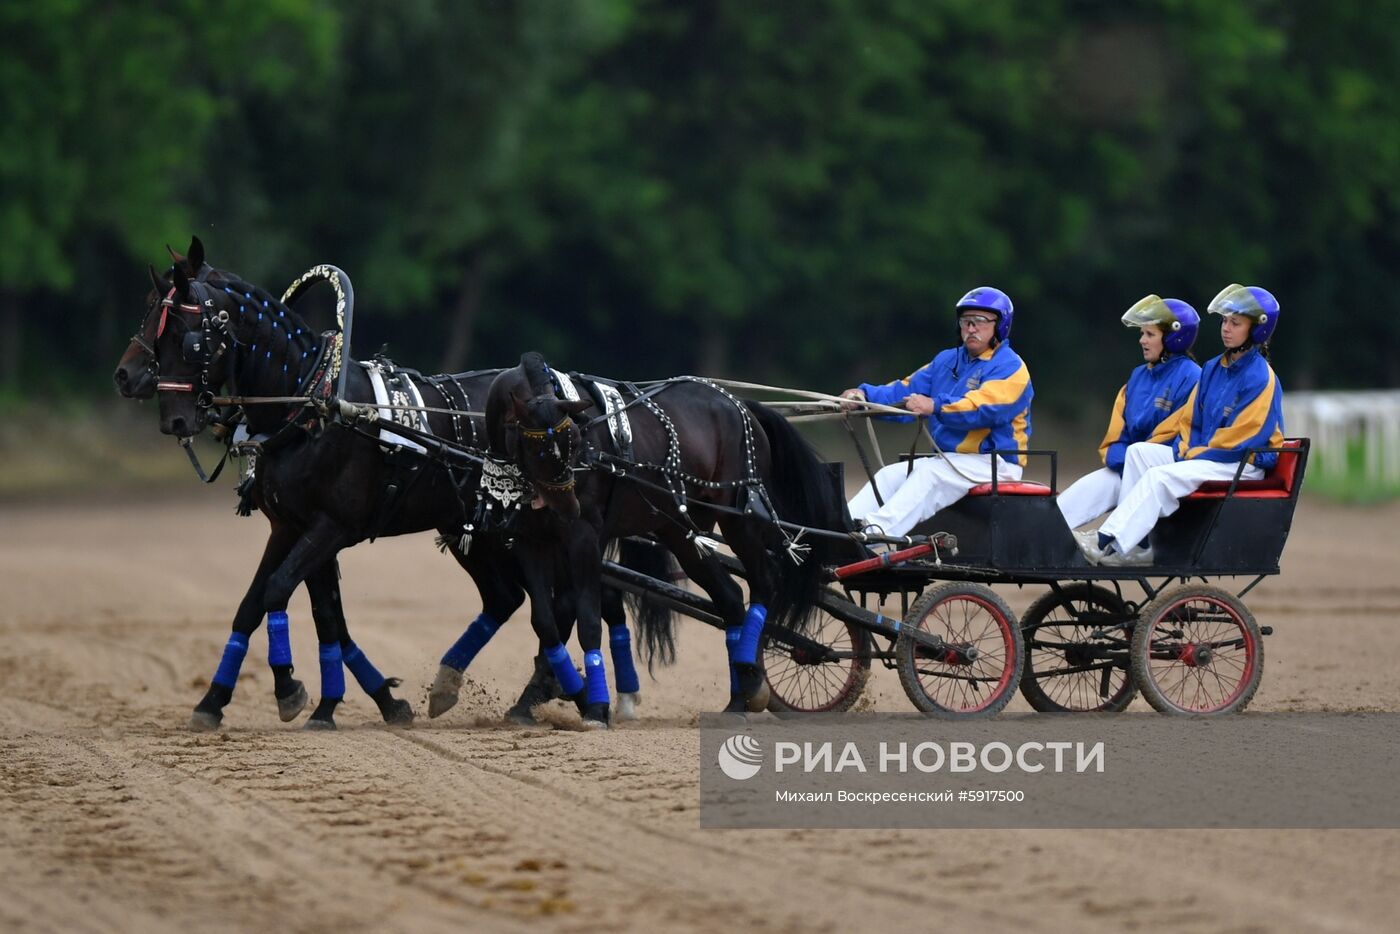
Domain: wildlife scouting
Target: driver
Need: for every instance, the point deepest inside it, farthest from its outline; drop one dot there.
(977, 397)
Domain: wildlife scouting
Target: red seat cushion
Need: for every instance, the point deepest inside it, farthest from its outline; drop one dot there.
(1246, 490)
(1277, 484)
(1011, 488)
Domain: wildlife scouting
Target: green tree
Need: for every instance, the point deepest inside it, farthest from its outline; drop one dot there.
(108, 111)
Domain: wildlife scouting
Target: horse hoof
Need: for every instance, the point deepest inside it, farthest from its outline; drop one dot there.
(314, 724)
(733, 718)
(595, 716)
(442, 696)
(288, 707)
(627, 705)
(521, 716)
(399, 713)
(201, 721)
(759, 702)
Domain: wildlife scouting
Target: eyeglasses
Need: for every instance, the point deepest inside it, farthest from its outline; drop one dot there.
(975, 321)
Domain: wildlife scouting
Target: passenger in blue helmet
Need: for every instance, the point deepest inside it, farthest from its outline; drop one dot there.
(1150, 407)
(1235, 412)
(977, 397)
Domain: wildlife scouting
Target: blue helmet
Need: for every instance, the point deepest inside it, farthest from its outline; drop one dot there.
(987, 298)
(1178, 321)
(1252, 302)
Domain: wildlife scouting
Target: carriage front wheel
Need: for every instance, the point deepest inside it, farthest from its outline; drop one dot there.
(1077, 641)
(1197, 650)
(822, 670)
(966, 660)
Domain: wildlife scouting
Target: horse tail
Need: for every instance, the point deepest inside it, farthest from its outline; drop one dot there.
(801, 491)
(656, 624)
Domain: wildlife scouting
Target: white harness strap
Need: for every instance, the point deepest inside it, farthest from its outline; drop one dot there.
(566, 386)
(618, 424)
(385, 396)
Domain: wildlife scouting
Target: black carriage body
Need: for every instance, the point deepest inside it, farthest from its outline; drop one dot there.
(1014, 532)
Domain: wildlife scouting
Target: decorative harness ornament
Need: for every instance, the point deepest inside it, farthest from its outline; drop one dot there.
(344, 313)
(564, 480)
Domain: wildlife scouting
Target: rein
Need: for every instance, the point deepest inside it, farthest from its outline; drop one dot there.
(198, 468)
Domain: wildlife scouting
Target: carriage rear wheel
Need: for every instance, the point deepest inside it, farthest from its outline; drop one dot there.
(1197, 650)
(822, 671)
(967, 660)
(1077, 643)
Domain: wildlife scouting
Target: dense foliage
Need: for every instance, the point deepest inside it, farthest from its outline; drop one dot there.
(781, 190)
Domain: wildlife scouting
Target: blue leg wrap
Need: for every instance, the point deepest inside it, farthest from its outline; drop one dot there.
(332, 671)
(597, 677)
(563, 667)
(620, 644)
(753, 628)
(234, 650)
(472, 641)
(363, 669)
(731, 643)
(279, 643)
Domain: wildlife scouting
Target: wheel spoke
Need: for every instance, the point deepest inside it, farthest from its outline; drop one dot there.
(1077, 656)
(801, 683)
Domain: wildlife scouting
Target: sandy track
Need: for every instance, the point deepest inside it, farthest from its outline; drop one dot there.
(113, 818)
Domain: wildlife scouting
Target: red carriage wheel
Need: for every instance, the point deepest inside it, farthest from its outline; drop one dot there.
(1197, 650)
(967, 659)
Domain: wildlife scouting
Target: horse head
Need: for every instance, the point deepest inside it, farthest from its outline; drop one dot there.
(536, 431)
(190, 352)
(135, 375)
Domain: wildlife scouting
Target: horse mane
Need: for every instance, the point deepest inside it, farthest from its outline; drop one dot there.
(277, 343)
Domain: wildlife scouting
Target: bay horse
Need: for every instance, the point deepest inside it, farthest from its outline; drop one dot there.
(324, 486)
(699, 458)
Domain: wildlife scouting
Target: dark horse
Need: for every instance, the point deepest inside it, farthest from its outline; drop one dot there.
(699, 457)
(323, 485)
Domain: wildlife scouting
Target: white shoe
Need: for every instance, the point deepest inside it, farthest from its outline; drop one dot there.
(1135, 557)
(1088, 543)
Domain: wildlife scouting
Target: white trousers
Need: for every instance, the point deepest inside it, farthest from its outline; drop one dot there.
(1153, 485)
(1090, 496)
(934, 484)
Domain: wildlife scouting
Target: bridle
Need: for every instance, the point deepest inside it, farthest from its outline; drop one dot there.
(147, 344)
(198, 345)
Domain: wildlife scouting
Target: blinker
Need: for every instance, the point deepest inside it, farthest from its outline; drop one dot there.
(191, 347)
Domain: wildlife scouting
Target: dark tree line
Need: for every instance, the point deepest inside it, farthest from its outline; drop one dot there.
(779, 190)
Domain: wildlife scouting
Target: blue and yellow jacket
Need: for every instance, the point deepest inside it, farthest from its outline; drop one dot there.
(981, 404)
(1151, 406)
(1236, 407)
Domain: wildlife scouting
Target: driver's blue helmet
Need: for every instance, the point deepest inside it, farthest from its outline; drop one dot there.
(986, 298)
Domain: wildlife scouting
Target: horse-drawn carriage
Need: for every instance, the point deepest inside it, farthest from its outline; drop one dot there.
(1083, 645)
(694, 458)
